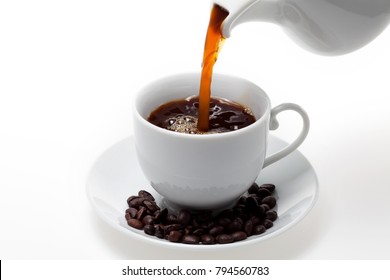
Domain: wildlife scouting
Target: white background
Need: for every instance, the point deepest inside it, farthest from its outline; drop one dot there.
(69, 69)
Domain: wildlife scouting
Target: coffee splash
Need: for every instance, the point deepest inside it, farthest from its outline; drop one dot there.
(213, 44)
(182, 116)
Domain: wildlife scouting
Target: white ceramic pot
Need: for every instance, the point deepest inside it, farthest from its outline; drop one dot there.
(329, 27)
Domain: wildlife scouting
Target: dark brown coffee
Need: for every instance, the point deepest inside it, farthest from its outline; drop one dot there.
(182, 116)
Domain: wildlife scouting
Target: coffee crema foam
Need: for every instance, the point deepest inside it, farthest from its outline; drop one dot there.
(186, 124)
(183, 124)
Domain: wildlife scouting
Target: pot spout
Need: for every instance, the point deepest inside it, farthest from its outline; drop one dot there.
(241, 11)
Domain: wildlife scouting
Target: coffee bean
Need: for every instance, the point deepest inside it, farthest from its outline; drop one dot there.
(216, 230)
(268, 224)
(270, 201)
(199, 232)
(255, 220)
(207, 239)
(148, 220)
(251, 204)
(224, 222)
(259, 229)
(195, 223)
(171, 219)
(136, 202)
(130, 199)
(135, 223)
(151, 206)
(254, 195)
(253, 189)
(174, 236)
(248, 227)
(224, 238)
(271, 215)
(146, 195)
(239, 209)
(259, 199)
(171, 227)
(132, 212)
(141, 213)
(159, 231)
(160, 216)
(264, 208)
(241, 200)
(149, 229)
(244, 216)
(207, 225)
(184, 217)
(239, 235)
(188, 230)
(235, 225)
(263, 193)
(190, 239)
(270, 187)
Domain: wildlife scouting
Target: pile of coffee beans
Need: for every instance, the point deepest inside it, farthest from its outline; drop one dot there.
(253, 214)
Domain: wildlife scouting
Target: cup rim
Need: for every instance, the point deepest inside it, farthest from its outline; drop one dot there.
(207, 136)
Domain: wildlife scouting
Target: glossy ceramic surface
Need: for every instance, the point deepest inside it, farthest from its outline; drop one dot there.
(329, 27)
(213, 170)
(116, 175)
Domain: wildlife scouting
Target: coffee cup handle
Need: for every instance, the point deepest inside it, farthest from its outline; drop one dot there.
(274, 124)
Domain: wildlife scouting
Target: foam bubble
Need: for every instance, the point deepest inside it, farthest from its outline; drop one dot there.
(183, 124)
(186, 124)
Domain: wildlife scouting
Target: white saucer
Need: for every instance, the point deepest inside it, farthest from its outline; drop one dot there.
(116, 175)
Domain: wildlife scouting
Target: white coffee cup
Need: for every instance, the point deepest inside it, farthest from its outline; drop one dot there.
(206, 171)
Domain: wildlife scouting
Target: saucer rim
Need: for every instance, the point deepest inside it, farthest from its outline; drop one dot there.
(137, 235)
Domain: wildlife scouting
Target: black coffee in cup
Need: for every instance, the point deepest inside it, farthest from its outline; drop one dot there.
(182, 116)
